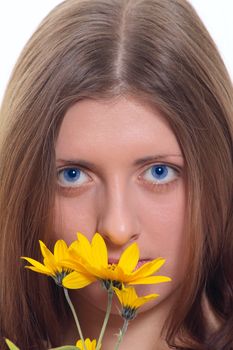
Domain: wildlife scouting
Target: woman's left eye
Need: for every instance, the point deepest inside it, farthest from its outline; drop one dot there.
(160, 174)
(72, 177)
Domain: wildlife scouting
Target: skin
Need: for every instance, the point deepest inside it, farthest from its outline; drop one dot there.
(123, 200)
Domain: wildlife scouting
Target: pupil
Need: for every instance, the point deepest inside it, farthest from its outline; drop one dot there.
(159, 170)
(72, 173)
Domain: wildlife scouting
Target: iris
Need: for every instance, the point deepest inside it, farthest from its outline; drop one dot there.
(71, 174)
(159, 171)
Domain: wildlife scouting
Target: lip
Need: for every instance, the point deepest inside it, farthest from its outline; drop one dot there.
(139, 264)
(113, 261)
(142, 262)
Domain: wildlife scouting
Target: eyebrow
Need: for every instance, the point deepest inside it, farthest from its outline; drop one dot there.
(137, 162)
(155, 158)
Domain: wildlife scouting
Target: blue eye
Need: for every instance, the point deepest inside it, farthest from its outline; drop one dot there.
(72, 177)
(160, 174)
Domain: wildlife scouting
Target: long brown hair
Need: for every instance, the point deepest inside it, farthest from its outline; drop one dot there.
(156, 50)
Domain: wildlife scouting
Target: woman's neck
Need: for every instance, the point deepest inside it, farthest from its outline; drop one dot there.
(144, 332)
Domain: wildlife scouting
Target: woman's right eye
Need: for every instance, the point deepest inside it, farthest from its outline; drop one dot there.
(72, 177)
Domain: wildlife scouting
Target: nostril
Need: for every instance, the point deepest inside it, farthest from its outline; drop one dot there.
(119, 239)
(135, 237)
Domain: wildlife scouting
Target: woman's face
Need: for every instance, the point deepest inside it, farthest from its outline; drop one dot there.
(121, 173)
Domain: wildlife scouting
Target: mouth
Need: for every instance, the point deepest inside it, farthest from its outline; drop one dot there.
(140, 263)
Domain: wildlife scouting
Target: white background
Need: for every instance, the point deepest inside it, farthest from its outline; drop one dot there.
(19, 18)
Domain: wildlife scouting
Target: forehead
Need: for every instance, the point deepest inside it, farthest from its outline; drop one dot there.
(118, 124)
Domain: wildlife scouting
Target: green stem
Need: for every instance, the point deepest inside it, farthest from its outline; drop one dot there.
(109, 307)
(75, 316)
(121, 334)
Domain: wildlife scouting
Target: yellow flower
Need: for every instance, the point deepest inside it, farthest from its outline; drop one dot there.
(90, 345)
(89, 260)
(130, 301)
(52, 262)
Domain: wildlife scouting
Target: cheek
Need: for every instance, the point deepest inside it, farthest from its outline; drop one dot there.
(163, 221)
(72, 215)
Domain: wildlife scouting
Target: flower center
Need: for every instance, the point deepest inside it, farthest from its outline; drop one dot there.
(112, 267)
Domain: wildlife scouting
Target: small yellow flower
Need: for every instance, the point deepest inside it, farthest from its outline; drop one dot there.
(89, 260)
(52, 262)
(130, 301)
(90, 345)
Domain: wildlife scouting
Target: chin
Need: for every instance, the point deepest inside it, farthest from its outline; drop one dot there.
(95, 296)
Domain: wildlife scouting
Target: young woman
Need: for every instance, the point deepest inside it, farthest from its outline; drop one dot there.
(118, 119)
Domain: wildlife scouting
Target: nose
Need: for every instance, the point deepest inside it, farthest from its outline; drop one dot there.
(118, 223)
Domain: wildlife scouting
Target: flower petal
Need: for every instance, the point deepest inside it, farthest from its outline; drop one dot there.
(129, 298)
(129, 258)
(90, 345)
(52, 265)
(45, 251)
(49, 259)
(11, 345)
(75, 265)
(149, 268)
(143, 300)
(77, 280)
(99, 251)
(33, 268)
(37, 266)
(83, 248)
(149, 280)
(119, 294)
(60, 250)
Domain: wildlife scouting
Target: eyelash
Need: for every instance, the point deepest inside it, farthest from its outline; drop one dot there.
(152, 185)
